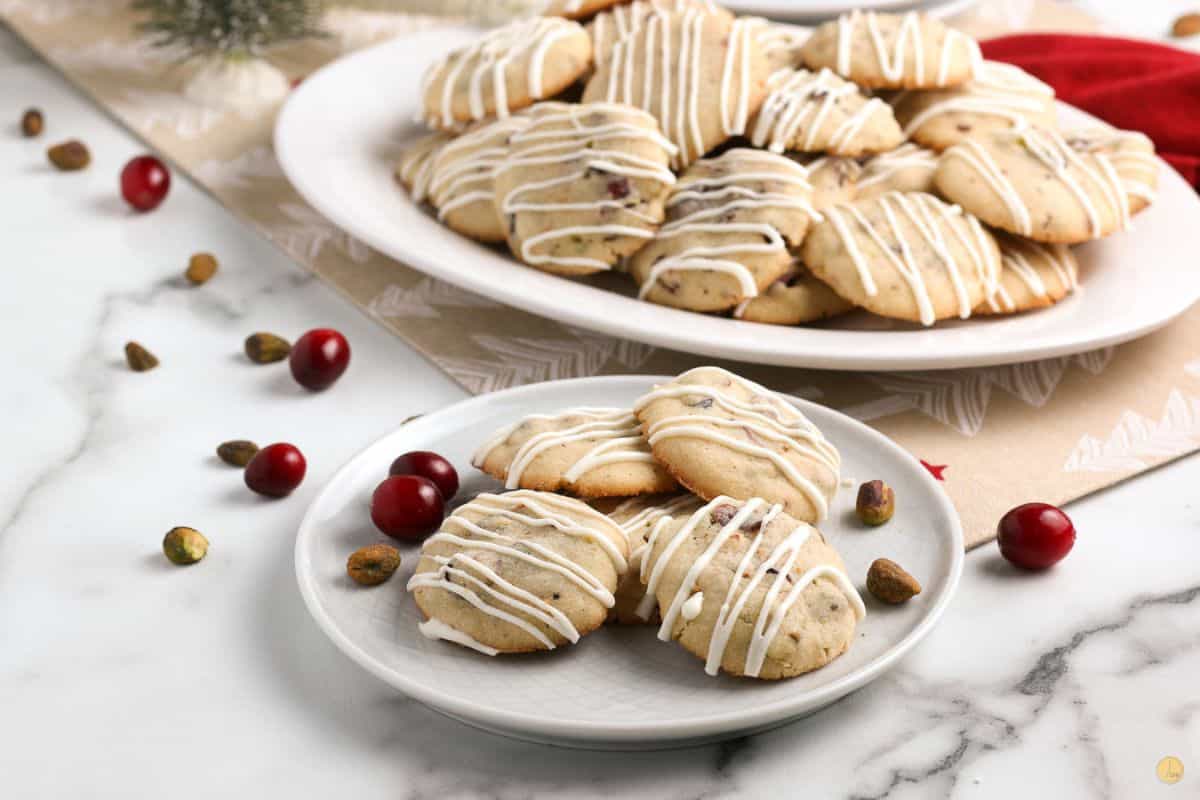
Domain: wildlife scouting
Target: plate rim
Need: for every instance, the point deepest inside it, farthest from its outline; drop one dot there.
(631, 731)
(820, 348)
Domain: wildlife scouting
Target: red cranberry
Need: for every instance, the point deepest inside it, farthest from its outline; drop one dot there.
(407, 507)
(319, 358)
(1035, 536)
(276, 470)
(428, 465)
(145, 182)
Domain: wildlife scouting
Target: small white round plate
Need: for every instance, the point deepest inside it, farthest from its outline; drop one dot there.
(619, 687)
(819, 10)
(343, 129)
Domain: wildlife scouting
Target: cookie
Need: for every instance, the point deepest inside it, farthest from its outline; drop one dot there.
(750, 590)
(1131, 154)
(699, 74)
(908, 168)
(414, 170)
(576, 9)
(519, 572)
(730, 223)
(818, 112)
(999, 96)
(905, 256)
(589, 452)
(609, 27)
(462, 189)
(1030, 181)
(782, 44)
(834, 178)
(507, 69)
(893, 51)
(1032, 276)
(583, 186)
(637, 517)
(794, 299)
(720, 434)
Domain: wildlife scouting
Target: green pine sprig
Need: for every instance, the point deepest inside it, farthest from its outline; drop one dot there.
(231, 28)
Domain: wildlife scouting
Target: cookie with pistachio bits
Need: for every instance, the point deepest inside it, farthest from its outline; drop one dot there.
(505, 70)
(834, 178)
(609, 27)
(818, 112)
(908, 168)
(905, 256)
(795, 299)
(638, 517)
(1131, 154)
(1032, 276)
(414, 170)
(893, 51)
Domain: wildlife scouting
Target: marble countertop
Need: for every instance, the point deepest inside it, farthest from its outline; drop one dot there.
(122, 676)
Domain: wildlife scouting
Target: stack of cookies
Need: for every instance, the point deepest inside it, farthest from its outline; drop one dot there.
(730, 165)
(693, 510)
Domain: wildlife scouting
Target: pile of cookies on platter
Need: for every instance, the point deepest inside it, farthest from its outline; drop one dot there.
(778, 174)
(692, 510)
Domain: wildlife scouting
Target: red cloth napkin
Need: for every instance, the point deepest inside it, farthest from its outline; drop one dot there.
(1134, 85)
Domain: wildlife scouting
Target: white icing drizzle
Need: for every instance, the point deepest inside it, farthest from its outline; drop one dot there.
(1052, 150)
(932, 219)
(489, 592)
(883, 167)
(764, 418)
(1137, 168)
(799, 102)
(671, 51)
(464, 168)
(581, 141)
(624, 20)
(488, 60)
(998, 90)
(649, 516)
(779, 562)
(416, 166)
(614, 434)
(1016, 259)
(894, 65)
(732, 191)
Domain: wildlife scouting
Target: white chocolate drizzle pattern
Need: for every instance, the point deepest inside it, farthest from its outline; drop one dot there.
(799, 102)
(883, 167)
(932, 220)
(649, 516)
(464, 168)
(893, 65)
(1016, 260)
(670, 86)
(774, 567)
(736, 191)
(536, 146)
(488, 60)
(1052, 150)
(416, 165)
(488, 591)
(765, 418)
(612, 26)
(614, 434)
(997, 90)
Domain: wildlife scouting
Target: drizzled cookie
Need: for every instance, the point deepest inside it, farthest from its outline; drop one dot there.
(905, 256)
(508, 69)
(637, 517)
(576, 9)
(611, 26)
(414, 170)
(782, 44)
(999, 96)
(583, 186)
(1032, 275)
(750, 590)
(589, 452)
(1131, 154)
(794, 299)
(730, 223)
(1033, 182)
(461, 187)
(908, 168)
(719, 433)
(893, 51)
(834, 178)
(818, 112)
(699, 74)
(519, 572)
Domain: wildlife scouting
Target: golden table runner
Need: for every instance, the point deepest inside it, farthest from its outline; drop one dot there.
(1051, 430)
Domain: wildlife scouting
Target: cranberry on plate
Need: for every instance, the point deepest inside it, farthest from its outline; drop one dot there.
(276, 470)
(428, 465)
(407, 507)
(1035, 536)
(145, 182)
(318, 358)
